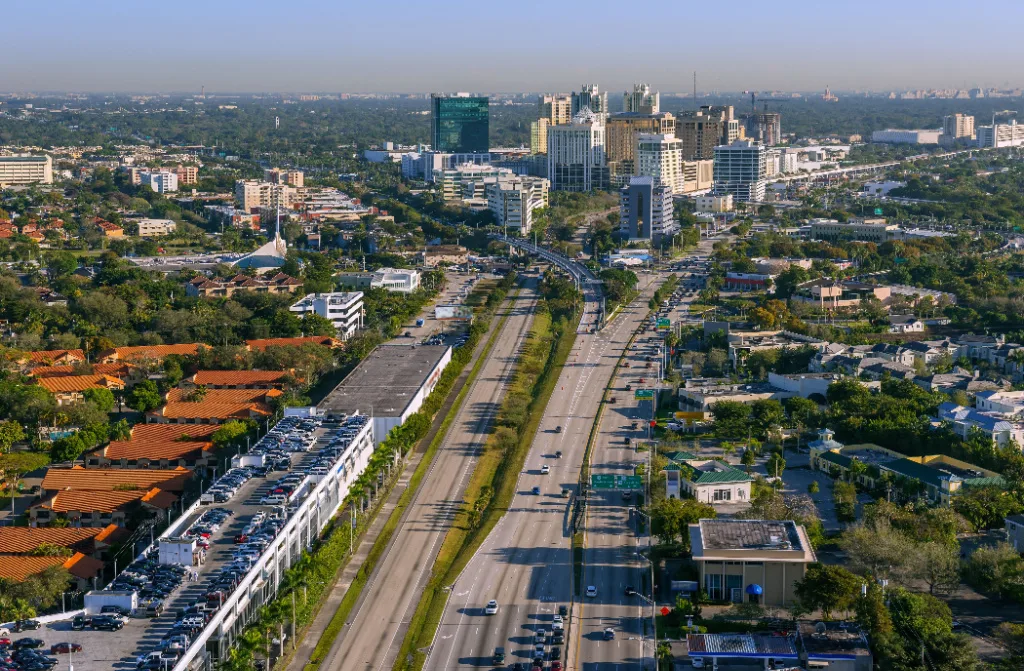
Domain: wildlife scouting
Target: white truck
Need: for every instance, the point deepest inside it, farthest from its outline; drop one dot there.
(251, 460)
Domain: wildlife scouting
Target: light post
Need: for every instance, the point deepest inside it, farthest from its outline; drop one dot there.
(651, 601)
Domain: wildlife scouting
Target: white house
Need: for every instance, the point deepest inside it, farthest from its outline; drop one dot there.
(905, 324)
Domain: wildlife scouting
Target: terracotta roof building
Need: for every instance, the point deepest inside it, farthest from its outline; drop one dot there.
(54, 357)
(109, 229)
(147, 352)
(69, 388)
(263, 343)
(78, 478)
(280, 283)
(92, 541)
(91, 508)
(118, 370)
(240, 379)
(215, 406)
(82, 568)
(158, 445)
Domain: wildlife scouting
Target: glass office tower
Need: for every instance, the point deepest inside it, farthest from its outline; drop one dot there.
(459, 124)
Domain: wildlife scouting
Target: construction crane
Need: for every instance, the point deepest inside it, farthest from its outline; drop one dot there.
(1000, 113)
(764, 102)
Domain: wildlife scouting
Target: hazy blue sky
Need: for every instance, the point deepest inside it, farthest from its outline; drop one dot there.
(522, 45)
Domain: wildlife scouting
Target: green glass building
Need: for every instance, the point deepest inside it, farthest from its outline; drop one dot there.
(459, 125)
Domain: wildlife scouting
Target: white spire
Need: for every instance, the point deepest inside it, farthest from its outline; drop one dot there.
(277, 230)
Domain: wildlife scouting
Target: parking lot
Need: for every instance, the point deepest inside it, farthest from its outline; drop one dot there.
(104, 650)
(457, 287)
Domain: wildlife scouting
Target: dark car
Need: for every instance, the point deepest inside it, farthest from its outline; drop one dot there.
(79, 623)
(115, 610)
(64, 648)
(106, 623)
(26, 625)
(30, 643)
(563, 610)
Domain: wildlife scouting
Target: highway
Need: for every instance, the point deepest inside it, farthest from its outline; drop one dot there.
(377, 624)
(525, 563)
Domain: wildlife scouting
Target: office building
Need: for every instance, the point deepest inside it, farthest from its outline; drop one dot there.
(1001, 135)
(714, 204)
(765, 127)
(862, 230)
(343, 308)
(641, 100)
(557, 109)
(661, 157)
(700, 133)
(25, 170)
(294, 178)
(645, 210)
(459, 124)
(740, 170)
(576, 154)
(621, 134)
(513, 201)
(590, 96)
(161, 181)
(897, 136)
(698, 175)
(539, 136)
(253, 194)
(958, 126)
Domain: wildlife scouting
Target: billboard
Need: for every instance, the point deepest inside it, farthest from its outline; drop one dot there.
(453, 312)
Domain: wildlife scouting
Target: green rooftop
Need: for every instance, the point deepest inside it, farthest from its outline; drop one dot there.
(725, 473)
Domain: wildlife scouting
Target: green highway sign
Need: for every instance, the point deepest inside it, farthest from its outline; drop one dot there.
(608, 481)
(878, 211)
(664, 324)
(644, 394)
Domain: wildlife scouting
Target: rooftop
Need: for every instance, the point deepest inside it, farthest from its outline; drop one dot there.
(162, 441)
(832, 639)
(263, 343)
(385, 381)
(22, 540)
(52, 356)
(741, 645)
(228, 378)
(107, 479)
(92, 501)
(731, 534)
(72, 383)
(20, 567)
(150, 351)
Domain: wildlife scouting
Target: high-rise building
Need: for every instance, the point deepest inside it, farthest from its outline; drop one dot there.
(641, 100)
(294, 178)
(253, 194)
(698, 175)
(622, 131)
(513, 201)
(740, 170)
(557, 109)
(26, 170)
(705, 129)
(661, 158)
(459, 124)
(590, 96)
(956, 126)
(576, 154)
(645, 210)
(765, 127)
(160, 181)
(539, 136)
(1001, 135)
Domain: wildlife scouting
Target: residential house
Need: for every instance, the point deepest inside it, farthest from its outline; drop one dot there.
(69, 389)
(159, 446)
(108, 229)
(995, 426)
(239, 379)
(756, 561)
(905, 324)
(80, 478)
(1007, 403)
(83, 570)
(323, 341)
(208, 287)
(146, 353)
(92, 541)
(83, 508)
(214, 406)
(53, 357)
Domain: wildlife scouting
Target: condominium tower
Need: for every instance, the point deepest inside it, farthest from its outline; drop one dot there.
(641, 100)
(557, 109)
(660, 157)
(645, 210)
(26, 170)
(576, 154)
(956, 126)
(590, 96)
(740, 170)
(622, 132)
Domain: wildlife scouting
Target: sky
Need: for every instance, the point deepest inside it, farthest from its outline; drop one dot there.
(502, 46)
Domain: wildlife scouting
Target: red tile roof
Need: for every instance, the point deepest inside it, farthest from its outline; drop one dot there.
(162, 441)
(73, 383)
(237, 378)
(55, 356)
(78, 478)
(19, 567)
(22, 540)
(119, 370)
(263, 343)
(87, 501)
(149, 351)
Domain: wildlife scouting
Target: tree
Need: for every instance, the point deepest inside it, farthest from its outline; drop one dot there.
(228, 433)
(937, 565)
(877, 549)
(775, 465)
(748, 459)
(813, 487)
(101, 397)
(844, 496)
(827, 588)
(732, 418)
(670, 518)
(10, 433)
(145, 397)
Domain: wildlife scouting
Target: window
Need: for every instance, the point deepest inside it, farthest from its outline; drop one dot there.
(713, 586)
(722, 495)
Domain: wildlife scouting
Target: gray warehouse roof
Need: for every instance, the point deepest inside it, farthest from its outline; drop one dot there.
(385, 382)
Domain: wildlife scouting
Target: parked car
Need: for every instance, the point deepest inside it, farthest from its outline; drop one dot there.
(26, 625)
(65, 648)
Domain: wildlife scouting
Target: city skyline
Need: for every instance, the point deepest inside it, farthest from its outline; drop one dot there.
(233, 47)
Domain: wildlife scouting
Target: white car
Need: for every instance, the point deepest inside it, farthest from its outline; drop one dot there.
(545, 469)
(492, 608)
(591, 591)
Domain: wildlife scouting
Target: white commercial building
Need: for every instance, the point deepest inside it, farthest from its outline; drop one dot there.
(897, 136)
(26, 170)
(576, 154)
(1005, 135)
(161, 181)
(392, 279)
(715, 204)
(343, 308)
(740, 170)
(155, 228)
(468, 181)
(661, 157)
(513, 201)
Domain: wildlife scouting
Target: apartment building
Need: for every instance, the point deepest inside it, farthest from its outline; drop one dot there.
(210, 287)
(661, 158)
(641, 100)
(556, 109)
(645, 210)
(740, 170)
(622, 132)
(161, 181)
(576, 154)
(25, 169)
(253, 194)
(538, 137)
(344, 309)
(958, 126)
(187, 174)
(294, 178)
(591, 97)
(468, 180)
(698, 175)
(514, 201)
(704, 130)
(155, 228)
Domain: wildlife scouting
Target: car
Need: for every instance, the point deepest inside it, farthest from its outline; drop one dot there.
(629, 387)
(591, 591)
(555, 654)
(558, 454)
(544, 470)
(563, 610)
(536, 490)
(115, 610)
(107, 623)
(65, 648)
(499, 656)
(26, 625)
(540, 636)
(558, 429)
(79, 623)
(491, 608)
(697, 662)
(627, 495)
(27, 643)
(613, 400)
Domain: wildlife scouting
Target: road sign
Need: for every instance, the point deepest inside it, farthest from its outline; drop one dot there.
(608, 481)
(665, 610)
(644, 394)
(664, 324)
(878, 211)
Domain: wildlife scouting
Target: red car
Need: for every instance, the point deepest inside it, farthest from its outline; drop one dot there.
(6, 642)
(241, 538)
(556, 666)
(58, 648)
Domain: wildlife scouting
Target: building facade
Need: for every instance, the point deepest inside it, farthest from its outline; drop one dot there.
(740, 170)
(513, 201)
(641, 100)
(576, 154)
(294, 178)
(161, 181)
(590, 97)
(765, 127)
(253, 194)
(698, 175)
(898, 136)
(1001, 135)
(661, 157)
(25, 170)
(391, 279)
(155, 228)
(645, 210)
(459, 124)
(539, 136)
(958, 126)
(622, 132)
(344, 309)
(557, 108)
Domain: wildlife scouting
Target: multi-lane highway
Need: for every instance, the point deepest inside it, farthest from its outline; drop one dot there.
(525, 564)
(374, 633)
